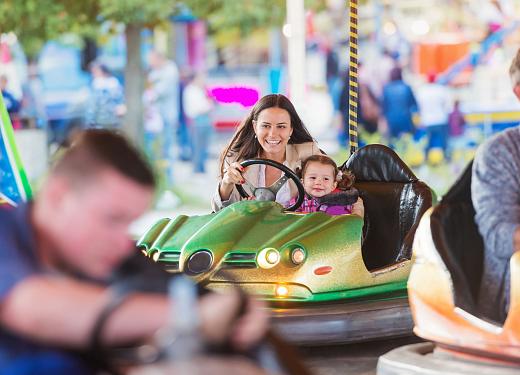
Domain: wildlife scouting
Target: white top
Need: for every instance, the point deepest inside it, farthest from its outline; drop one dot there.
(195, 101)
(434, 104)
(284, 194)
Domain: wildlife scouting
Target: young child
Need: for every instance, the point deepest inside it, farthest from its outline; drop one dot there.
(328, 189)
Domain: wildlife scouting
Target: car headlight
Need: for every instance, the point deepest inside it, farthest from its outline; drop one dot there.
(268, 258)
(281, 291)
(156, 256)
(298, 255)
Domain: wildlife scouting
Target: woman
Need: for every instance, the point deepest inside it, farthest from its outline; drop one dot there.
(272, 130)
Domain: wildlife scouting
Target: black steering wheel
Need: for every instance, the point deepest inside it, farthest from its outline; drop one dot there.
(269, 193)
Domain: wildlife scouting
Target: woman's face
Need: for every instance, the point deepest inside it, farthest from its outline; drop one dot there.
(273, 130)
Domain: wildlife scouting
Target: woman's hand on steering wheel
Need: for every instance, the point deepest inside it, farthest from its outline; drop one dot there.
(233, 174)
(269, 193)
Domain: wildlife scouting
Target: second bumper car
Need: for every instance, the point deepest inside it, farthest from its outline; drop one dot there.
(443, 290)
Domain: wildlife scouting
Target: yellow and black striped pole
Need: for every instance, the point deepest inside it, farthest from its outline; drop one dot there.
(353, 76)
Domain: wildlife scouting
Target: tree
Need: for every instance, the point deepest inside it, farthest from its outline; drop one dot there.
(36, 21)
(136, 15)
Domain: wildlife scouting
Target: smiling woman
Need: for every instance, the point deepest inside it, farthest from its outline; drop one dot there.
(272, 130)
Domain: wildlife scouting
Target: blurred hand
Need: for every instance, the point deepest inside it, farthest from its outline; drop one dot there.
(220, 320)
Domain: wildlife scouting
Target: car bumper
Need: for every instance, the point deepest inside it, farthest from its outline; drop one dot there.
(346, 322)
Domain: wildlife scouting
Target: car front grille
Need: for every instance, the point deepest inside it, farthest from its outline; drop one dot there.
(239, 259)
(170, 260)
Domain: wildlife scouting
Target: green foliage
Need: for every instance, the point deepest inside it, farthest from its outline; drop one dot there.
(36, 21)
(33, 21)
(244, 15)
(143, 12)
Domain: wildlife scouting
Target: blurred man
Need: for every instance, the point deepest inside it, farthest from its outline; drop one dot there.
(58, 251)
(495, 191)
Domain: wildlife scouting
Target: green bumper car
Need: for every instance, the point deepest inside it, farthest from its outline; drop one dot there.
(329, 279)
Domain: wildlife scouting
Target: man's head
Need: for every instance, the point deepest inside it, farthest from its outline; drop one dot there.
(514, 73)
(93, 193)
(156, 59)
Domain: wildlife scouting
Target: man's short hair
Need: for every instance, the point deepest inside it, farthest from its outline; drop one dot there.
(93, 150)
(514, 69)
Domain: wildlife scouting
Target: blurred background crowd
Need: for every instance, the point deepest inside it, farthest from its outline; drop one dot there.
(178, 76)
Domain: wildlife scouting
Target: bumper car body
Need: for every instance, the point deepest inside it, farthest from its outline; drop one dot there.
(311, 267)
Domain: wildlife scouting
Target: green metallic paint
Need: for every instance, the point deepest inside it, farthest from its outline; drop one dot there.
(237, 233)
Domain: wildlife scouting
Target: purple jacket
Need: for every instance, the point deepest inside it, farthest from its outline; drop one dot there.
(335, 203)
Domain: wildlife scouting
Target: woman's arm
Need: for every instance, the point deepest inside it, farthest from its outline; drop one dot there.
(226, 192)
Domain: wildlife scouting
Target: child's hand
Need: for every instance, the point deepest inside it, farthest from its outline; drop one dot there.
(358, 208)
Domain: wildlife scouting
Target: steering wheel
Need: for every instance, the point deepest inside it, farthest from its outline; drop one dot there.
(269, 193)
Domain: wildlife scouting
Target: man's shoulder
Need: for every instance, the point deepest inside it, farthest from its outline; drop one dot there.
(10, 223)
(502, 143)
(507, 136)
(499, 151)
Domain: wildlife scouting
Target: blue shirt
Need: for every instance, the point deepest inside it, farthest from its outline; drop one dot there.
(20, 356)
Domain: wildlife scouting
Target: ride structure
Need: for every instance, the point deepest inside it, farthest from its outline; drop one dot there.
(14, 185)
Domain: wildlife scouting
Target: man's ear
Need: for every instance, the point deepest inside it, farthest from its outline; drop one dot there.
(516, 91)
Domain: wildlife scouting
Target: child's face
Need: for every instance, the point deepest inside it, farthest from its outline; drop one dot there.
(319, 179)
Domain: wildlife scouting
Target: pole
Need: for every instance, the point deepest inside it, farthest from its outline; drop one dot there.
(353, 76)
(296, 49)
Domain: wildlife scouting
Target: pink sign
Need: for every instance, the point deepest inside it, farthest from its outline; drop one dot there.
(246, 96)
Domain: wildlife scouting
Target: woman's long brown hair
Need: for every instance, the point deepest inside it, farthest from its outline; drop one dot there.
(244, 145)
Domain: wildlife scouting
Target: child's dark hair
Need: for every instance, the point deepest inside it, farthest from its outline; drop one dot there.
(347, 177)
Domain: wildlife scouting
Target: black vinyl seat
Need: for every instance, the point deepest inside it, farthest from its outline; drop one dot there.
(458, 241)
(394, 201)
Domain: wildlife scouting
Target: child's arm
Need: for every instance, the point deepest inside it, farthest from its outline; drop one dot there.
(358, 208)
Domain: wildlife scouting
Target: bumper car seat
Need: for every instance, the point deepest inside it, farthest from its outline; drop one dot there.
(394, 200)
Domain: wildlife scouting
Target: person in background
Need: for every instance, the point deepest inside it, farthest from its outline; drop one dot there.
(33, 107)
(399, 105)
(184, 131)
(59, 252)
(434, 106)
(106, 106)
(456, 125)
(153, 123)
(164, 83)
(197, 105)
(11, 103)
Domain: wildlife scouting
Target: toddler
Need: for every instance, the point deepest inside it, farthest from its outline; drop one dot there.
(327, 189)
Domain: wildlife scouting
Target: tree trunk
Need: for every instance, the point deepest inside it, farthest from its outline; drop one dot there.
(134, 84)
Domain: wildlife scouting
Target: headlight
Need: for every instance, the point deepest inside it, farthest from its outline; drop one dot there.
(297, 255)
(268, 258)
(272, 256)
(281, 291)
(156, 256)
